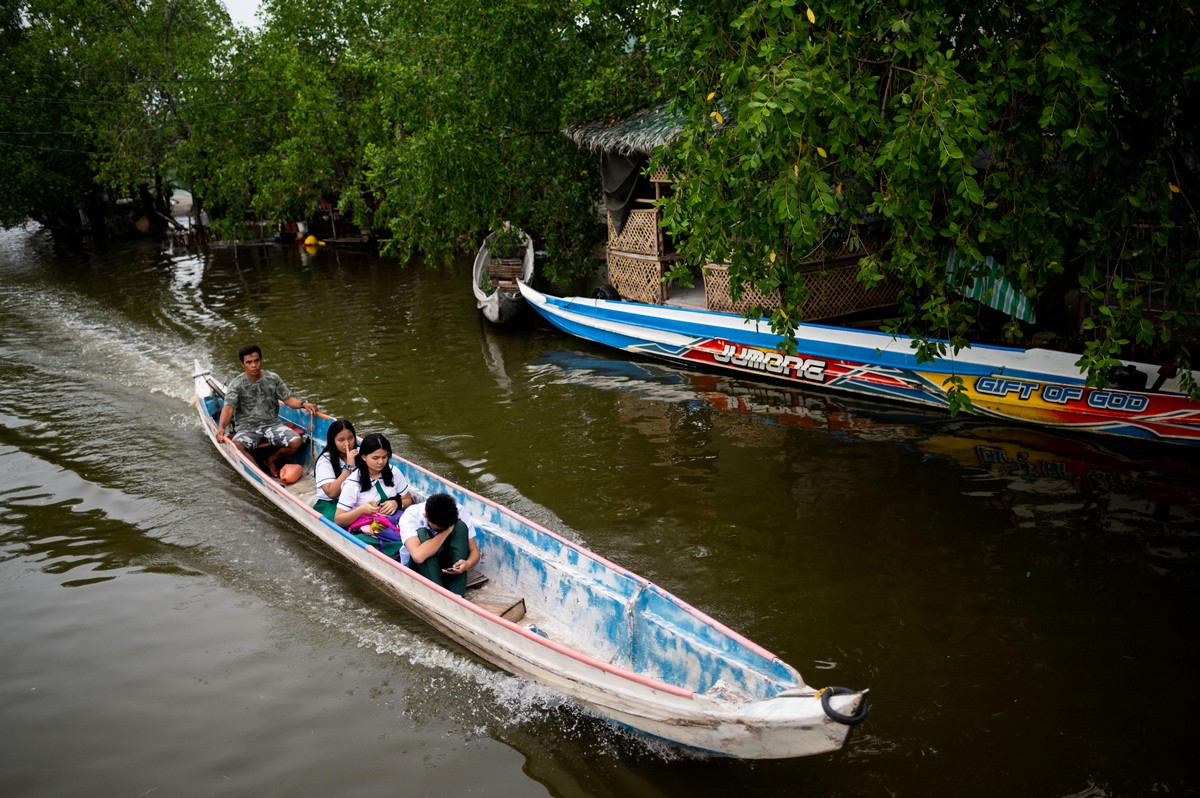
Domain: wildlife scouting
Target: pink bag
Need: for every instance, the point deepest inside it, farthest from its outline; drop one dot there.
(386, 529)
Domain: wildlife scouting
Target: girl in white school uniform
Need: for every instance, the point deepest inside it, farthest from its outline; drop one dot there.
(377, 487)
(334, 466)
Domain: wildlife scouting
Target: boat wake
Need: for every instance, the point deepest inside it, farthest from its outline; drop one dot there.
(444, 682)
(69, 337)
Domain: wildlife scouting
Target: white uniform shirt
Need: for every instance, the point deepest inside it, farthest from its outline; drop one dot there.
(324, 473)
(414, 518)
(353, 496)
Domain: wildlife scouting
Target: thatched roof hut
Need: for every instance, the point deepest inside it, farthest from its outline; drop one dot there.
(639, 134)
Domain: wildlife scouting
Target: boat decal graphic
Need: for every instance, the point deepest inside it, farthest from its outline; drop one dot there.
(1108, 400)
(719, 352)
(771, 361)
(998, 386)
(867, 382)
(1072, 397)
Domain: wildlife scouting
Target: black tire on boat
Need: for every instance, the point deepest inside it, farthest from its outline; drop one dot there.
(847, 720)
(605, 291)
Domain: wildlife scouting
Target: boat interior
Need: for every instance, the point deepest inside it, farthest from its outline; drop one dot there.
(480, 591)
(568, 595)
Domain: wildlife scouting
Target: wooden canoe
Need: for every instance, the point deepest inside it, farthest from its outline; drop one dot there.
(554, 612)
(494, 280)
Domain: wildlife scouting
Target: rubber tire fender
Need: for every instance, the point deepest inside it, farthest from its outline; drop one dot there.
(847, 720)
(606, 291)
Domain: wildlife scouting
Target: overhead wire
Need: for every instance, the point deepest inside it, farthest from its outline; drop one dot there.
(42, 148)
(136, 103)
(141, 130)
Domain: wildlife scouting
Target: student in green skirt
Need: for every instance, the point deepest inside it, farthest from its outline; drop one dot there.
(334, 466)
(372, 499)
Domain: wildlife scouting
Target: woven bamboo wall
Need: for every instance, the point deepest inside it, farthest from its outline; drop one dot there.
(834, 290)
(716, 292)
(641, 234)
(636, 278)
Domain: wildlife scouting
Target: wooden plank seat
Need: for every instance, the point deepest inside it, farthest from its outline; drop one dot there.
(501, 269)
(510, 608)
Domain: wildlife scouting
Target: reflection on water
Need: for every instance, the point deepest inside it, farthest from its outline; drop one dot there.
(1121, 485)
(994, 585)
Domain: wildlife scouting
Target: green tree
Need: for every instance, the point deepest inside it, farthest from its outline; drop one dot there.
(43, 132)
(436, 120)
(1058, 136)
(303, 113)
(472, 100)
(101, 93)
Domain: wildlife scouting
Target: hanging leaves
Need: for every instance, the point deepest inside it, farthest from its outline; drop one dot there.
(1020, 152)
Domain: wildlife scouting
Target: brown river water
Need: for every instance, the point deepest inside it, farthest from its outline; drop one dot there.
(1023, 605)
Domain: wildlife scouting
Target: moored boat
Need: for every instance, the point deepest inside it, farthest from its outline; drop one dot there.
(547, 609)
(494, 278)
(1038, 386)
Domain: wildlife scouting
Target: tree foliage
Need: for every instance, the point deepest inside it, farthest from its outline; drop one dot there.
(434, 121)
(472, 102)
(1057, 136)
(44, 143)
(100, 94)
(303, 115)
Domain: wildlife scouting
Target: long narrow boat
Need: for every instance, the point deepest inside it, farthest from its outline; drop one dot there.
(494, 279)
(1038, 386)
(549, 610)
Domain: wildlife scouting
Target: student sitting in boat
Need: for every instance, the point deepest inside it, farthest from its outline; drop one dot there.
(334, 466)
(439, 542)
(377, 492)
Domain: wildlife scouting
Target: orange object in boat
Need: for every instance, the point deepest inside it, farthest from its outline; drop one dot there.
(290, 474)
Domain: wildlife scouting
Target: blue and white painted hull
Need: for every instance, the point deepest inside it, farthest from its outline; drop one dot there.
(1037, 386)
(612, 641)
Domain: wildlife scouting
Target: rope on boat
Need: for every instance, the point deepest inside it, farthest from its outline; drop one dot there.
(827, 693)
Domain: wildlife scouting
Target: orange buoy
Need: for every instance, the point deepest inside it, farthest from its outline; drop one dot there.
(290, 473)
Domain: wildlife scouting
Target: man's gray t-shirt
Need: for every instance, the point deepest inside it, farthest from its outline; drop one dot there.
(256, 404)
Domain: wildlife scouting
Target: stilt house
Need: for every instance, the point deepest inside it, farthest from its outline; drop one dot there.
(639, 250)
